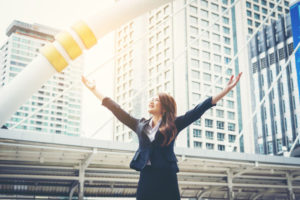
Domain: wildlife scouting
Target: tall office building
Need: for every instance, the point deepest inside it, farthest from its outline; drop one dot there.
(61, 116)
(176, 61)
(248, 16)
(130, 74)
(276, 123)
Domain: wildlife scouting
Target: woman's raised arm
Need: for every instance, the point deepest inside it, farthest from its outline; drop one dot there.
(91, 85)
(194, 114)
(115, 108)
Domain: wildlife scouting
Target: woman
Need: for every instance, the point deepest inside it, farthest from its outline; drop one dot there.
(155, 158)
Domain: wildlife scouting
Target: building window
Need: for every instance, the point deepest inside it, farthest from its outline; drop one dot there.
(275, 127)
(249, 13)
(226, 30)
(197, 144)
(250, 30)
(279, 145)
(231, 138)
(256, 8)
(216, 37)
(285, 124)
(196, 86)
(220, 125)
(193, 20)
(209, 146)
(220, 113)
(194, 30)
(214, 7)
(218, 69)
(203, 13)
(217, 58)
(206, 66)
(270, 147)
(204, 3)
(205, 44)
(221, 147)
(197, 122)
(231, 126)
(208, 123)
(195, 74)
(225, 20)
(204, 23)
(195, 63)
(230, 115)
(230, 104)
(221, 136)
(206, 55)
(248, 4)
(197, 133)
(207, 77)
(225, 2)
(217, 48)
(227, 50)
(209, 135)
(194, 52)
(193, 10)
(249, 21)
(264, 11)
(226, 40)
(216, 27)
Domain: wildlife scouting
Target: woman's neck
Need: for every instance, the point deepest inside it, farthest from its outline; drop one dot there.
(155, 119)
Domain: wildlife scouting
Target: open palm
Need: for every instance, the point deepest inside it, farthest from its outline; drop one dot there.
(232, 82)
(89, 84)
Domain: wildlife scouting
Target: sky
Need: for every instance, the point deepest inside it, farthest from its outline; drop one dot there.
(61, 14)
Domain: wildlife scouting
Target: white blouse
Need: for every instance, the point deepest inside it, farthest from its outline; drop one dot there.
(151, 132)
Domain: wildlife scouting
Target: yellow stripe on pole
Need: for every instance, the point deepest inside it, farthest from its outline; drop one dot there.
(69, 44)
(85, 33)
(54, 57)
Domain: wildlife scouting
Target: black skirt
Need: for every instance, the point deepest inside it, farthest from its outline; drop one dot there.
(157, 184)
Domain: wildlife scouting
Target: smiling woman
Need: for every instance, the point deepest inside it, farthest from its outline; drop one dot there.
(155, 158)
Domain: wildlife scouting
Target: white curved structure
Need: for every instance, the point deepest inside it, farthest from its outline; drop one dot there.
(68, 46)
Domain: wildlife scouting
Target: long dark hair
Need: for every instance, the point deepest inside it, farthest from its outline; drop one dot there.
(167, 126)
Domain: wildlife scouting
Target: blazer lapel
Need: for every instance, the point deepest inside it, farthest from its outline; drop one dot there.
(143, 130)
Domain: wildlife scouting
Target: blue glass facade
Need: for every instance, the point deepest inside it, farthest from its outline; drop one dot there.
(295, 20)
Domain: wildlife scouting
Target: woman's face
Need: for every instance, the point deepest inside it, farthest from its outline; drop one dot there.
(154, 106)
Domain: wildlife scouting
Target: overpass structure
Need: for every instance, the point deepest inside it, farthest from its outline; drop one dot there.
(35, 165)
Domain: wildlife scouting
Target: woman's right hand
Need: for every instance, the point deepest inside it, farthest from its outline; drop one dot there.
(89, 84)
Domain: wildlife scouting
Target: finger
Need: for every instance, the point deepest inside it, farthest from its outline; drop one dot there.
(239, 76)
(230, 80)
(83, 79)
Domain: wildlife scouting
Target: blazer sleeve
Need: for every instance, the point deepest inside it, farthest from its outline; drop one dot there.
(119, 113)
(192, 115)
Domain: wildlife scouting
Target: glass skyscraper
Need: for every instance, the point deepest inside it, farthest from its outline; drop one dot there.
(276, 123)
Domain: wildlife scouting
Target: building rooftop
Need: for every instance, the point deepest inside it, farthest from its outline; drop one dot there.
(32, 29)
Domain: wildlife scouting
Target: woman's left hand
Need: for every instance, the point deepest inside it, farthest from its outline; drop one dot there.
(232, 83)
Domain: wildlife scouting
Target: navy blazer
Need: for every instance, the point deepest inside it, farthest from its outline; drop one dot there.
(160, 156)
